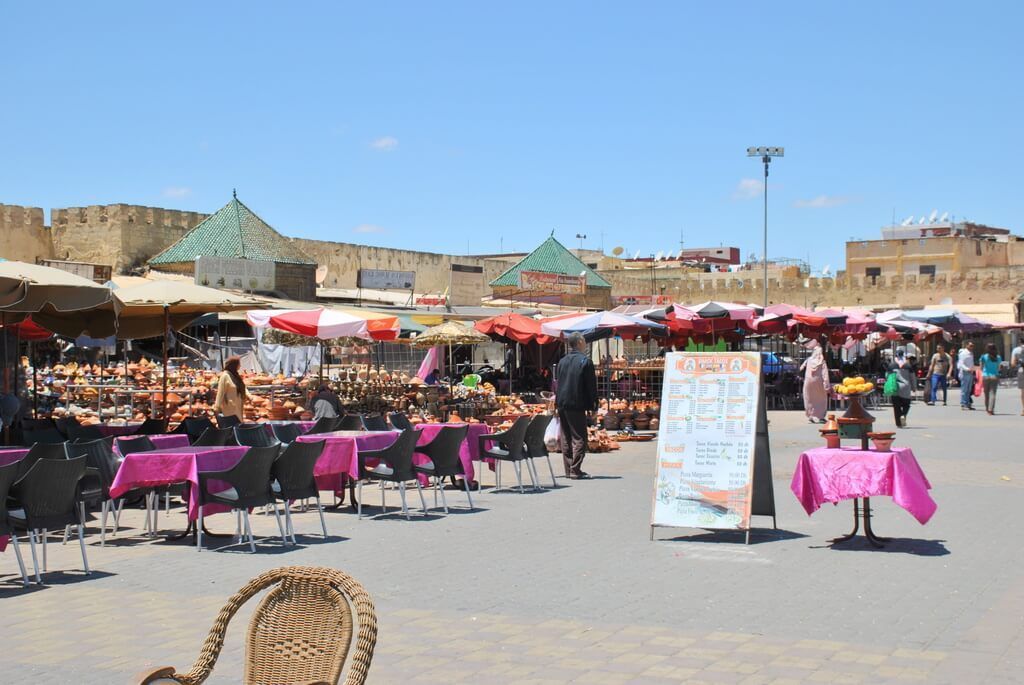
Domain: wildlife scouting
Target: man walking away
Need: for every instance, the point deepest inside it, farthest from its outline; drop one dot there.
(965, 369)
(1017, 362)
(577, 394)
(940, 371)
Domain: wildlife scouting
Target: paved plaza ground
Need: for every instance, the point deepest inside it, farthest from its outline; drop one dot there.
(565, 586)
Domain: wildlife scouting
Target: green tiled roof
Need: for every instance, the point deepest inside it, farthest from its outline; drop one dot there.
(233, 231)
(550, 257)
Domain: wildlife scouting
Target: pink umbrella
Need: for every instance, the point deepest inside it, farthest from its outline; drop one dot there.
(320, 323)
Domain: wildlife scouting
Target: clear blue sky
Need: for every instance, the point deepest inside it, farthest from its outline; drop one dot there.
(435, 126)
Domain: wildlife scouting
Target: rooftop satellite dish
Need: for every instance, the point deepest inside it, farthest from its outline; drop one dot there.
(942, 219)
(908, 221)
(921, 222)
(657, 256)
(321, 275)
(617, 251)
(827, 271)
(933, 216)
(637, 255)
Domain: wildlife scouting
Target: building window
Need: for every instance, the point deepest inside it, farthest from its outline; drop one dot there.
(927, 270)
(873, 272)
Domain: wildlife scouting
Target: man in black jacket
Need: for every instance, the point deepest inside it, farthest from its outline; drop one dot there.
(577, 394)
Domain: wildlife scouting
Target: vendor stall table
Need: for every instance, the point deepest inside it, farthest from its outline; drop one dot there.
(832, 475)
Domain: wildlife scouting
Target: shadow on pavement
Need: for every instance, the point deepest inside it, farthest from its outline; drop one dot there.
(913, 546)
(757, 536)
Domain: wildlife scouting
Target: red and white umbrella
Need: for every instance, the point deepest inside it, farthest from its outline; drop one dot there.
(320, 323)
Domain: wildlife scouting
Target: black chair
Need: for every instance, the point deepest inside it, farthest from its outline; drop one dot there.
(36, 424)
(83, 433)
(193, 428)
(375, 422)
(49, 436)
(535, 446)
(511, 446)
(65, 423)
(249, 486)
(350, 422)
(215, 437)
(443, 452)
(152, 427)
(286, 432)
(101, 460)
(293, 479)
(227, 420)
(141, 443)
(48, 496)
(255, 435)
(41, 450)
(325, 424)
(395, 466)
(399, 421)
(8, 474)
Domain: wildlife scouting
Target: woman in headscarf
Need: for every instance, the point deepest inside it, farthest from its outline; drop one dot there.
(230, 399)
(906, 378)
(816, 384)
(326, 403)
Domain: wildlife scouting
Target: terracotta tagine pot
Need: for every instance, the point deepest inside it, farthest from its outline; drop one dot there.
(831, 437)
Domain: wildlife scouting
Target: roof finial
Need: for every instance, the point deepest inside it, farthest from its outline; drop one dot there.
(552, 233)
(234, 193)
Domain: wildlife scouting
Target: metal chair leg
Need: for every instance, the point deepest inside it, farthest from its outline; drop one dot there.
(519, 476)
(35, 561)
(288, 521)
(533, 476)
(81, 543)
(280, 527)
(405, 508)
(45, 534)
(469, 495)
(497, 475)
(383, 505)
(199, 530)
(359, 504)
(102, 522)
(323, 522)
(21, 562)
(117, 516)
(444, 501)
(67, 530)
(552, 470)
(248, 531)
(423, 502)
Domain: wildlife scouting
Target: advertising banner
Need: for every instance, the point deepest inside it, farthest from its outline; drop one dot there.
(549, 283)
(382, 279)
(707, 440)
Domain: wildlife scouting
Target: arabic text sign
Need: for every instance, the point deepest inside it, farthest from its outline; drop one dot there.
(544, 282)
(382, 279)
(234, 273)
(706, 440)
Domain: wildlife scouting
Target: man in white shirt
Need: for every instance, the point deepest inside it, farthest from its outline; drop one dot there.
(1017, 362)
(965, 369)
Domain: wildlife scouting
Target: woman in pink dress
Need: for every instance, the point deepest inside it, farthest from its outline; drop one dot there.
(816, 385)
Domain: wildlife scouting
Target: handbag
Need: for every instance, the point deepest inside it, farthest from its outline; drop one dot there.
(979, 387)
(892, 384)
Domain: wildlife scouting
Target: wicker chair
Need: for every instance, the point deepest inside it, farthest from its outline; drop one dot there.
(300, 632)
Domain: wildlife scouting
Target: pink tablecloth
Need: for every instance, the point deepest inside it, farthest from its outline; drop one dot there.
(339, 455)
(160, 442)
(125, 429)
(468, 452)
(831, 475)
(175, 465)
(11, 455)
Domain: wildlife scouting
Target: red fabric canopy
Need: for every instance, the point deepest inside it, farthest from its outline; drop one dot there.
(514, 328)
(29, 330)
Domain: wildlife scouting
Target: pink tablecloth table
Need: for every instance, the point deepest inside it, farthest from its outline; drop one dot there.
(832, 475)
(160, 442)
(106, 429)
(469, 451)
(175, 465)
(304, 425)
(339, 456)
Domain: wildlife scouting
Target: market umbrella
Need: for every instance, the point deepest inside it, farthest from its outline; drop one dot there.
(948, 319)
(319, 323)
(27, 288)
(598, 325)
(511, 327)
(725, 310)
(449, 333)
(717, 317)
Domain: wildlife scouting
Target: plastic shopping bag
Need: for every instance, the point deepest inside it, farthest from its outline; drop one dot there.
(552, 435)
(978, 386)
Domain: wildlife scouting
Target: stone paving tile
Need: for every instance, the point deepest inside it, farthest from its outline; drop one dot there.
(565, 586)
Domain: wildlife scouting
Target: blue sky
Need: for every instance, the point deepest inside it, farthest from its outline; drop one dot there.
(455, 126)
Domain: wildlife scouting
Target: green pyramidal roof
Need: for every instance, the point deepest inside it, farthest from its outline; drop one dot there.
(233, 231)
(550, 256)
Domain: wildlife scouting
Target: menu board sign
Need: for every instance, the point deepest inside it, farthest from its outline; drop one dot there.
(707, 440)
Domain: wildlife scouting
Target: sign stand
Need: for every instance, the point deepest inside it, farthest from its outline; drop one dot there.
(714, 466)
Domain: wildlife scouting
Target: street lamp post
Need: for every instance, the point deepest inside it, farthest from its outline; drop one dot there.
(766, 154)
